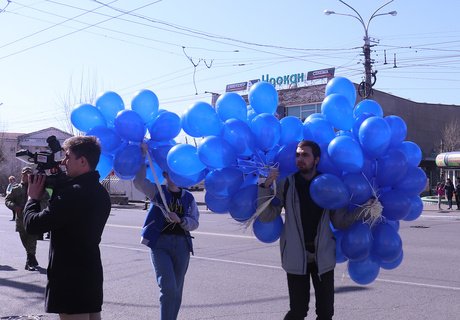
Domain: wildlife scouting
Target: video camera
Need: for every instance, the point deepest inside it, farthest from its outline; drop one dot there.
(46, 162)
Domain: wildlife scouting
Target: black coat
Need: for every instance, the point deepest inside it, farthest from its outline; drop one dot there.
(76, 217)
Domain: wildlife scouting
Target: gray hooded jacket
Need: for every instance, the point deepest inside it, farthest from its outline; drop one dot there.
(292, 244)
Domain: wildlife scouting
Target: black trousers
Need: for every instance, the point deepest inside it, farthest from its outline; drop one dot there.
(299, 294)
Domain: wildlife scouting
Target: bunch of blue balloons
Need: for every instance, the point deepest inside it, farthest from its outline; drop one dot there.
(364, 155)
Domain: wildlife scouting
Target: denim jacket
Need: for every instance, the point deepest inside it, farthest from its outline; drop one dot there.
(155, 220)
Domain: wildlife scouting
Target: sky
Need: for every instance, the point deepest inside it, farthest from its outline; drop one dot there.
(64, 52)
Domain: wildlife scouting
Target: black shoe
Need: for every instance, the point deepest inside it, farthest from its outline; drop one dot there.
(32, 261)
(29, 267)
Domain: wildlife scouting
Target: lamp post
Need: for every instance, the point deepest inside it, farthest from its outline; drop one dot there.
(367, 43)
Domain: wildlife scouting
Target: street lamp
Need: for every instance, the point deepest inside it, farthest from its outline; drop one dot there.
(367, 43)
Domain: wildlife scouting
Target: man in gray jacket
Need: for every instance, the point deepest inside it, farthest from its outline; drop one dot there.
(307, 242)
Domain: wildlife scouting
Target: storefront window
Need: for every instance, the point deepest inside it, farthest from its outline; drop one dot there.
(302, 112)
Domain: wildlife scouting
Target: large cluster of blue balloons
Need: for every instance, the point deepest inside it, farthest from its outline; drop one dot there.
(363, 155)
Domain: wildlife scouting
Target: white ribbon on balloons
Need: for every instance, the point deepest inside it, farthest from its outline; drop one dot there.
(165, 209)
(262, 207)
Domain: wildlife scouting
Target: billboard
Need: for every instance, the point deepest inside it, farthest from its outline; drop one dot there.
(321, 74)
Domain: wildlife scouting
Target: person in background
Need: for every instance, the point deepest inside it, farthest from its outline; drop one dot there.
(167, 233)
(449, 187)
(11, 184)
(457, 193)
(16, 201)
(307, 243)
(440, 191)
(76, 216)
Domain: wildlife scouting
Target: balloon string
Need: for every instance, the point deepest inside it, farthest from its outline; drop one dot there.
(264, 204)
(165, 209)
(372, 213)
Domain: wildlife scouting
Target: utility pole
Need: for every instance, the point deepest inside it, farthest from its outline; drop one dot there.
(365, 87)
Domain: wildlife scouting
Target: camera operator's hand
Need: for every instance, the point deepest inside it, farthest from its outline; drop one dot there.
(36, 186)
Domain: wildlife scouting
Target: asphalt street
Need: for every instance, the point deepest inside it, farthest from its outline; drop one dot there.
(234, 276)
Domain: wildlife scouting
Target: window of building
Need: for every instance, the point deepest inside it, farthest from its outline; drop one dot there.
(302, 112)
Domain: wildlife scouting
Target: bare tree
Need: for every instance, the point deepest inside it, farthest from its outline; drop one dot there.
(84, 91)
(451, 136)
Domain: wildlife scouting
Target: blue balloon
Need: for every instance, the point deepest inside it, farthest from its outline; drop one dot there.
(165, 126)
(251, 114)
(216, 204)
(128, 161)
(268, 232)
(413, 182)
(200, 120)
(357, 124)
(183, 159)
(369, 168)
(160, 155)
(387, 244)
(346, 154)
(223, 182)
(187, 180)
(416, 208)
(109, 103)
(263, 97)
(146, 104)
(315, 115)
(391, 168)
(358, 187)
(231, 105)
(85, 117)
(342, 86)
(325, 164)
(396, 205)
(374, 136)
(104, 166)
(329, 192)
(244, 203)
(158, 172)
(287, 159)
(108, 138)
(393, 223)
(215, 152)
(412, 152)
(368, 106)
(240, 137)
(394, 264)
(321, 130)
(338, 111)
(267, 131)
(250, 179)
(129, 126)
(365, 271)
(398, 130)
(357, 241)
(291, 130)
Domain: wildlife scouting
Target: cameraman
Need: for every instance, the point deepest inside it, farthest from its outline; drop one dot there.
(76, 216)
(16, 200)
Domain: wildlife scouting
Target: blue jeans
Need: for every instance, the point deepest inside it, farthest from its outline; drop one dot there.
(170, 259)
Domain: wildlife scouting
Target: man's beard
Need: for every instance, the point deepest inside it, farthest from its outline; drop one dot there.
(307, 170)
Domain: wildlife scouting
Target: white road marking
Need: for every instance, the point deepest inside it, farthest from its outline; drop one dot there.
(396, 282)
